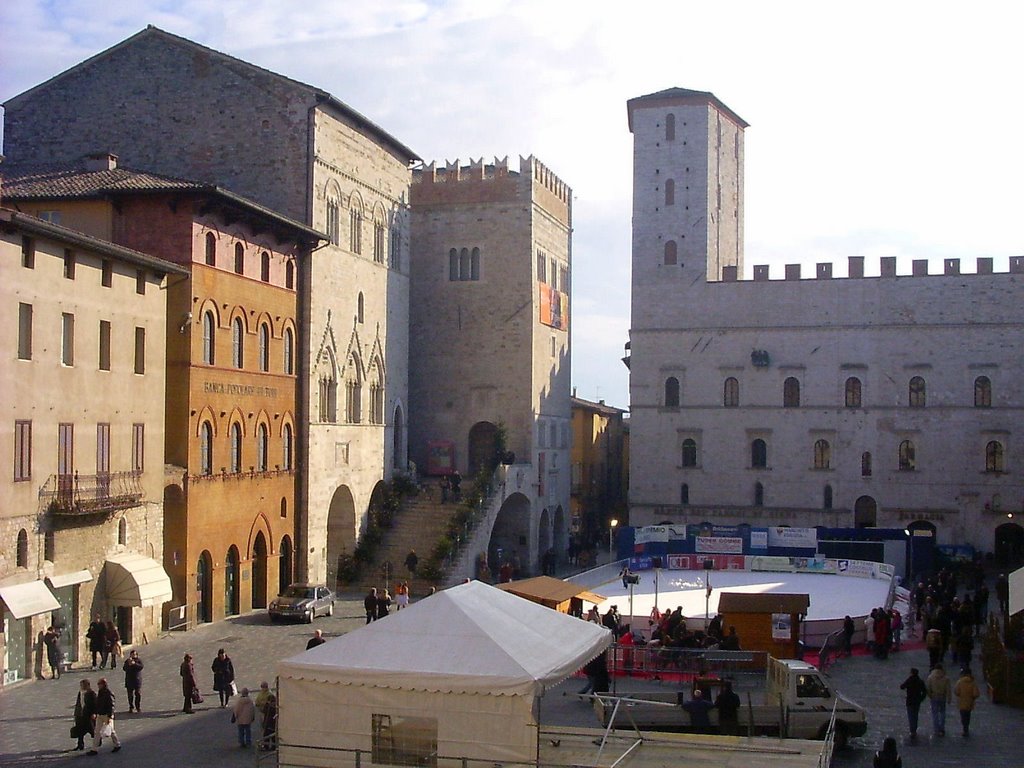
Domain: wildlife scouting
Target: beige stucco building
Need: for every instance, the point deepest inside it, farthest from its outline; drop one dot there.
(489, 341)
(889, 398)
(81, 514)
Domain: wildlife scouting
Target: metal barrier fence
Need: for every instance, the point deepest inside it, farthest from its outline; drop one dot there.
(745, 669)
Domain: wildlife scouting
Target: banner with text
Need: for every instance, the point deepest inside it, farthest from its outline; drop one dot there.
(723, 544)
(783, 536)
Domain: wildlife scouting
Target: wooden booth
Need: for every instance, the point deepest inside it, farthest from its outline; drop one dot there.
(767, 622)
(563, 596)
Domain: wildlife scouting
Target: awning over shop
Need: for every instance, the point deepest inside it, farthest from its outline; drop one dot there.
(29, 599)
(135, 580)
(69, 579)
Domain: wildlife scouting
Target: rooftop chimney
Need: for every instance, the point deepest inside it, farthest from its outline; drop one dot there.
(100, 161)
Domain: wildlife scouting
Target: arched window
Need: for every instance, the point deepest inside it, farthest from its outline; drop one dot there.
(353, 392)
(236, 448)
(758, 495)
(827, 498)
(474, 265)
(360, 308)
(822, 454)
(671, 392)
(122, 531)
(791, 392)
(671, 255)
(906, 456)
(689, 452)
(286, 448)
(464, 264)
(237, 343)
(209, 338)
(853, 392)
(865, 464)
(376, 394)
(670, 192)
(982, 392)
(289, 351)
(284, 506)
(731, 394)
(917, 392)
(334, 221)
(759, 453)
(22, 556)
(994, 456)
(211, 249)
(670, 127)
(264, 347)
(289, 274)
(261, 448)
(206, 449)
(453, 265)
(265, 267)
(239, 259)
(684, 494)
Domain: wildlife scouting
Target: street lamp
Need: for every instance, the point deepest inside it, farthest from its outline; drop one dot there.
(611, 534)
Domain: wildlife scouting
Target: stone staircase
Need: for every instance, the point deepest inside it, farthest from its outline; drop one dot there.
(418, 524)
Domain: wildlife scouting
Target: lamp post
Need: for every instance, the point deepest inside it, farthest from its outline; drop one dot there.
(611, 535)
(910, 566)
(708, 565)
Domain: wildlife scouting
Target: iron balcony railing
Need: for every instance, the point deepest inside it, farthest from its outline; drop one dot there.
(105, 493)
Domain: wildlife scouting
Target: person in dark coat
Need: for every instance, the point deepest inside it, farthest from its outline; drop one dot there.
(917, 692)
(51, 643)
(315, 640)
(848, 631)
(699, 708)
(888, 757)
(269, 741)
(103, 718)
(97, 636)
(85, 708)
(411, 561)
(113, 645)
(188, 683)
(383, 604)
(223, 676)
(728, 706)
(370, 604)
(133, 680)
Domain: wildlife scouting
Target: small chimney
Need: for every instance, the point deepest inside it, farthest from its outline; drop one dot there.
(1017, 265)
(729, 274)
(760, 273)
(824, 270)
(100, 161)
(952, 266)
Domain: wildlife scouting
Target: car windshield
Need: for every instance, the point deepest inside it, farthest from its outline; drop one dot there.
(307, 592)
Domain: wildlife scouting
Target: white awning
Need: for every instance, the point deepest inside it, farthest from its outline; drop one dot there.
(69, 579)
(136, 580)
(28, 599)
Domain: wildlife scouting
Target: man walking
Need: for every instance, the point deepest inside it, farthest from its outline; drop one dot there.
(97, 636)
(370, 605)
(939, 693)
(917, 692)
(104, 718)
(133, 680)
(242, 714)
(967, 692)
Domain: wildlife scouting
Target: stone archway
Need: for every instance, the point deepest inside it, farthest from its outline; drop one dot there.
(341, 531)
(483, 441)
(259, 571)
(510, 536)
(865, 513)
(1009, 545)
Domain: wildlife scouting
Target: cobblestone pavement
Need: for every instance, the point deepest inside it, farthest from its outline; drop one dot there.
(35, 717)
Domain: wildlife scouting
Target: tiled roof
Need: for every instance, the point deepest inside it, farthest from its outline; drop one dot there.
(669, 95)
(71, 183)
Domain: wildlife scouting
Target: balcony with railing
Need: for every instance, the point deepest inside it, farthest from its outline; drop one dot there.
(103, 494)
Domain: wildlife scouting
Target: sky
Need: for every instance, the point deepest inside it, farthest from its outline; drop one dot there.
(876, 129)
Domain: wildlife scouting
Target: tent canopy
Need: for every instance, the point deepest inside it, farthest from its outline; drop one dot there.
(472, 638)
(550, 590)
(29, 599)
(136, 580)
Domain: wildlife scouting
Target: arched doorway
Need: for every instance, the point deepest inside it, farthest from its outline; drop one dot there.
(259, 572)
(231, 582)
(510, 542)
(341, 531)
(284, 564)
(399, 459)
(482, 444)
(1009, 545)
(559, 541)
(204, 588)
(865, 513)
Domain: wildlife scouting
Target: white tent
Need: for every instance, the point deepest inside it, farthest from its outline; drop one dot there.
(457, 674)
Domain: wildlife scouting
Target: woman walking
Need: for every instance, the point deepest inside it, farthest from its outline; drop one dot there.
(223, 676)
(85, 708)
(189, 689)
(113, 641)
(50, 640)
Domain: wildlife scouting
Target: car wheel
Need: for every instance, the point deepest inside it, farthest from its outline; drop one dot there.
(330, 609)
(309, 616)
(842, 737)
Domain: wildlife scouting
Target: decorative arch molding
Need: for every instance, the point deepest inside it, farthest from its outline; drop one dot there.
(208, 305)
(206, 414)
(332, 190)
(260, 524)
(355, 201)
(238, 312)
(263, 417)
(237, 416)
(354, 355)
(264, 317)
(377, 354)
(287, 419)
(380, 213)
(327, 351)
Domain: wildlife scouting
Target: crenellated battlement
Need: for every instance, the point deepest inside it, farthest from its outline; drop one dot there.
(478, 182)
(887, 267)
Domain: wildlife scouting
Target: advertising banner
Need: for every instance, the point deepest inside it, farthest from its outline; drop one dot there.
(759, 538)
(815, 565)
(719, 544)
(554, 307)
(764, 563)
(782, 626)
(782, 536)
(860, 568)
(695, 562)
(657, 533)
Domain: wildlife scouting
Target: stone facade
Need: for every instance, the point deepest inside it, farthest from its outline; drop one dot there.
(489, 347)
(83, 430)
(171, 106)
(891, 401)
(600, 480)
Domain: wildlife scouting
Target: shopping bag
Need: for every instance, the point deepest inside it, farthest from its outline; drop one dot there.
(197, 698)
(108, 729)
(234, 688)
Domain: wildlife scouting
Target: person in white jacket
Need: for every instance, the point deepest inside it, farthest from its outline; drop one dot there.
(939, 694)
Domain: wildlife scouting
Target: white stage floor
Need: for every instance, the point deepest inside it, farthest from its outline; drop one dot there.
(832, 597)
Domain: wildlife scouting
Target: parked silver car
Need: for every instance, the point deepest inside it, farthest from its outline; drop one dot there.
(302, 601)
